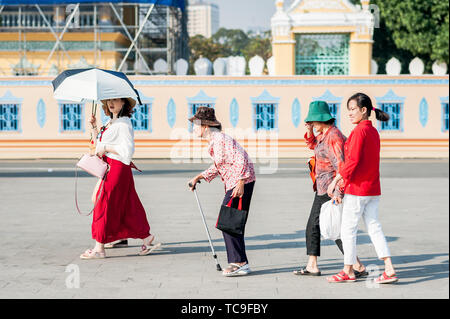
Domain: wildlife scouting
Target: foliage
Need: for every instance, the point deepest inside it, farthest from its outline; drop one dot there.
(230, 42)
(412, 28)
(259, 45)
(206, 48)
(234, 39)
(420, 27)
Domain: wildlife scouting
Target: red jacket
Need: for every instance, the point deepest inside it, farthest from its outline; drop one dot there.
(361, 168)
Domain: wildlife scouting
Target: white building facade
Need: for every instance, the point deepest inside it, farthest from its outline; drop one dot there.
(203, 18)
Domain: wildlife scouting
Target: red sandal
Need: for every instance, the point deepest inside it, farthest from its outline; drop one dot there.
(385, 279)
(341, 277)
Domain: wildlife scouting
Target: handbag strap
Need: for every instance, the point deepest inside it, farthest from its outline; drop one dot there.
(240, 203)
(134, 166)
(98, 196)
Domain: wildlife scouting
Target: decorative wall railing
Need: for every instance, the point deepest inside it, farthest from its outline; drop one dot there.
(10, 21)
(30, 20)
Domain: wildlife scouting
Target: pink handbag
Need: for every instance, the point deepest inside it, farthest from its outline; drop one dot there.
(95, 166)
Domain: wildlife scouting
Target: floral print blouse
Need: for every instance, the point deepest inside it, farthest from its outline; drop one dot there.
(329, 151)
(231, 161)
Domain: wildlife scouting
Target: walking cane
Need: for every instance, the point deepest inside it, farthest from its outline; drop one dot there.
(206, 228)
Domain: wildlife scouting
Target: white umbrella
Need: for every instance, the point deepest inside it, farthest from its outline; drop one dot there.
(93, 85)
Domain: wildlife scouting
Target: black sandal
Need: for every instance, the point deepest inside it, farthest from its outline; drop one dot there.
(304, 272)
(117, 244)
(359, 274)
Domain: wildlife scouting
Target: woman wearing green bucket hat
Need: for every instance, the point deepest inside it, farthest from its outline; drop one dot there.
(328, 148)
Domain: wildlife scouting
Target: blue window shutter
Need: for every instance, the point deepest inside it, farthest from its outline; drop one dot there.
(71, 117)
(141, 117)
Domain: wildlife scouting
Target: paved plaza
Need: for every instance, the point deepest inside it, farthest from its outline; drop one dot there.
(42, 235)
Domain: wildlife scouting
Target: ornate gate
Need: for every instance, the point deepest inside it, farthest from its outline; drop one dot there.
(322, 54)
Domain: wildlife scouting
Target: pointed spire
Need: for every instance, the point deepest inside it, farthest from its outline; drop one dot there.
(280, 5)
(365, 4)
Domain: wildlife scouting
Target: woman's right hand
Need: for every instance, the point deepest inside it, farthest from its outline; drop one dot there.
(93, 121)
(193, 182)
(336, 200)
(309, 129)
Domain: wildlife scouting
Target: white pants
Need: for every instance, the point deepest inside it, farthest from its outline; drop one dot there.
(353, 208)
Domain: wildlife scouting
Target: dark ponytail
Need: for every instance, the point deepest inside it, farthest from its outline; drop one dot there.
(381, 116)
(362, 100)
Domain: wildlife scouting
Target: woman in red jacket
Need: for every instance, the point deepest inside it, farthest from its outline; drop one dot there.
(361, 174)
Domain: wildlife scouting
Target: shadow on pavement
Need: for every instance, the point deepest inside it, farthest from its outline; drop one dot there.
(363, 239)
(413, 273)
(420, 273)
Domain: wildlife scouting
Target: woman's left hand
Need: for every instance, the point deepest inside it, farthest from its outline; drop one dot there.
(238, 191)
(101, 151)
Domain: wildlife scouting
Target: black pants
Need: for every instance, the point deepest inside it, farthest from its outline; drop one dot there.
(235, 244)
(313, 228)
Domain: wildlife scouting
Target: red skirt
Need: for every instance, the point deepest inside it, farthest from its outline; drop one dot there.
(119, 213)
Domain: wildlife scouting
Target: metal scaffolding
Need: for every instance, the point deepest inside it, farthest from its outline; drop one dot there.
(154, 32)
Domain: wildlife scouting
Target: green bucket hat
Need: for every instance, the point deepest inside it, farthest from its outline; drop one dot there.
(319, 111)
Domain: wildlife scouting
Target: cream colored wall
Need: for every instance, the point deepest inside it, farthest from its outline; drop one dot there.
(360, 58)
(415, 141)
(360, 53)
(284, 55)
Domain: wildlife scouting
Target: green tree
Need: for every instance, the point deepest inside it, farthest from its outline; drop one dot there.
(410, 28)
(235, 40)
(415, 27)
(384, 48)
(258, 45)
(206, 48)
(230, 42)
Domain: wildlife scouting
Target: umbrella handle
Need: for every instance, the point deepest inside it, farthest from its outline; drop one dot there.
(93, 113)
(94, 108)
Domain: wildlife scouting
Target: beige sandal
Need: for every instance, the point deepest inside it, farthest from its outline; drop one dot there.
(148, 248)
(91, 254)
(236, 270)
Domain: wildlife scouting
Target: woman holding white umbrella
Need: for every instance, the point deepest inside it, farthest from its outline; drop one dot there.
(119, 212)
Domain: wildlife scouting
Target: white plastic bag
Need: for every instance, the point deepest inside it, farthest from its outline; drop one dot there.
(330, 220)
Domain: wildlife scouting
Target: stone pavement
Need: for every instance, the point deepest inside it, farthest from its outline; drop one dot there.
(42, 236)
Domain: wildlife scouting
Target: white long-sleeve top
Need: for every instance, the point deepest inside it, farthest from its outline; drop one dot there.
(120, 136)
